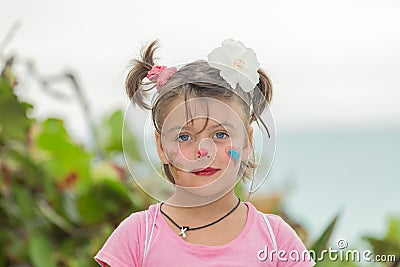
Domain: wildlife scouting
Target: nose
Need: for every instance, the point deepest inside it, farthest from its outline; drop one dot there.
(206, 148)
(202, 152)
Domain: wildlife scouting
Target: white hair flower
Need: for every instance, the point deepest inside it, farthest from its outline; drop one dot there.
(237, 63)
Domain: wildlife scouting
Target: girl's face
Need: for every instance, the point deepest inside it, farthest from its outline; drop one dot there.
(204, 150)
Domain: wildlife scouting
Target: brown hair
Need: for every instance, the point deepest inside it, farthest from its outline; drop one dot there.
(196, 79)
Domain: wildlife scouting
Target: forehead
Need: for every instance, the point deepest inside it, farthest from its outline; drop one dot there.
(199, 110)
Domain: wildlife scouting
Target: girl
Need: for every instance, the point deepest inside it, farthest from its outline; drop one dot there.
(202, 113)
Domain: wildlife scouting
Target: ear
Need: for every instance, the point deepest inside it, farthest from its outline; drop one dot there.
(160, 150)
(248, 144)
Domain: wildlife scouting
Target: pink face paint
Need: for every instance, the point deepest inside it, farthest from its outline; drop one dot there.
(202, 152)
(233, 153)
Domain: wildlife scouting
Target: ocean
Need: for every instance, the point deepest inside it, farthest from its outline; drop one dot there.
(354, 173)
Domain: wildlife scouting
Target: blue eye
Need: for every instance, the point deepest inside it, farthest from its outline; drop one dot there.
(221, 135)
(184, 137)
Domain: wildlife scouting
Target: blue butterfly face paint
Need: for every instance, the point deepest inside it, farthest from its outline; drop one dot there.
(233, 153)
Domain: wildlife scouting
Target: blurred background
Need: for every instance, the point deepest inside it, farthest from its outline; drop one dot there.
(335, 70)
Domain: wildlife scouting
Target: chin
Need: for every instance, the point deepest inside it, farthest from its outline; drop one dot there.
(217, 187)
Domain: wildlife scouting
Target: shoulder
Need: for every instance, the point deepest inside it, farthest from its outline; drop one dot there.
(130, 227)
(136, 222)
(278, 225)
(275, 221)
(124, 246)
(131, 220)
(286, 239)
(282, 232)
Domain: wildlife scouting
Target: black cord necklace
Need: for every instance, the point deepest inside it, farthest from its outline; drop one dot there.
(187, 228)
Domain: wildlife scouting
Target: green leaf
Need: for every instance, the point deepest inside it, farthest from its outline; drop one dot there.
(115, 123)
(30, 170)
(383, 247)
(88, 206)
(239, 190)
(14, 123)
(23, 202)
(70, 208)
(41, 251)
(390, 244)
(115, 138)
(53, 217)
(322, 241)
(394, 230)
(4, 239)
(65, 156)
(100, 194)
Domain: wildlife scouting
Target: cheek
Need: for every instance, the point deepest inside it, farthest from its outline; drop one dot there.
(171, 154)
(233, 153)
(186, 151)
(177, 154)
(228, 154)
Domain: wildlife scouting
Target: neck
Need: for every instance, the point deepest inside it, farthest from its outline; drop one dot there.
(209, 205)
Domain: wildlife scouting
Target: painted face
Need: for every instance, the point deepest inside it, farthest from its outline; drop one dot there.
(206, 148)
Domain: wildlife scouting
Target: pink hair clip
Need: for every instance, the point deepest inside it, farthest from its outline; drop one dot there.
(160, 74)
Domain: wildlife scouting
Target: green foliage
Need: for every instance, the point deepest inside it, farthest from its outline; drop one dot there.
(59, 201)
(116, 138)
(390, 243)
(14, 123)
(40, 251)
(322, 242)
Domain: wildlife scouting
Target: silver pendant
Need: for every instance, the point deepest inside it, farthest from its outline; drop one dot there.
(182, 232)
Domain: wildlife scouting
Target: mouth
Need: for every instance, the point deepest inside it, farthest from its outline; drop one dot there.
(205, 172)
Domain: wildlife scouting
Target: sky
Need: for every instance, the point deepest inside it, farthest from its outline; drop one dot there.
(333, 64)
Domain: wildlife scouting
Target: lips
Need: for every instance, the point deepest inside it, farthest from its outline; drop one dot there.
(205, 172)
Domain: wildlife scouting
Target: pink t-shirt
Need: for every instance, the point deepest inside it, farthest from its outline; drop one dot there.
(270, 242)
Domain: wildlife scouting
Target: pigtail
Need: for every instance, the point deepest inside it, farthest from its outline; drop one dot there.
(139, 69)
(262, 96)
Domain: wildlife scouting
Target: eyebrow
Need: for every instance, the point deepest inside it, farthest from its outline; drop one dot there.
(223, 125)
